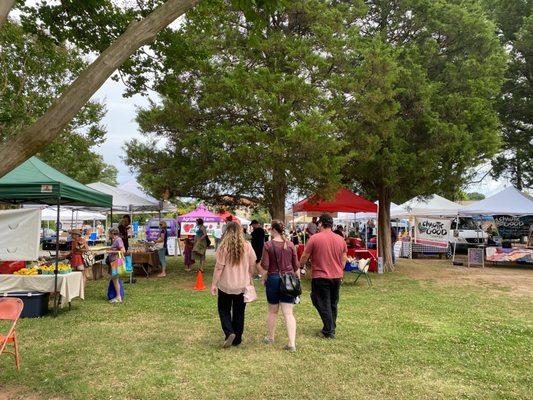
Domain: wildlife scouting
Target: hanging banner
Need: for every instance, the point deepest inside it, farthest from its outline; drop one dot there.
(171, 245)
(432, 232)
(19, 234)
(510, 227)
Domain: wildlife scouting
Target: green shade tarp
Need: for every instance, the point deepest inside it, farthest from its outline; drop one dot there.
(36, 182)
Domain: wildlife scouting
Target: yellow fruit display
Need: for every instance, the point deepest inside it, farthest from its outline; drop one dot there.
(49, 269)
(27, 271)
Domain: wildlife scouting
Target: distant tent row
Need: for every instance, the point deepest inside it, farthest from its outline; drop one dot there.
(509, 201)
(124, 200)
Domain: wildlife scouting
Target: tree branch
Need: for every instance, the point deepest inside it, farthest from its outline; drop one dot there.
(49, 126)
(5, 8)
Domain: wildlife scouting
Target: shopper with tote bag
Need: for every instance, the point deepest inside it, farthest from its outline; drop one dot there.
(282, 282)
(232, 280)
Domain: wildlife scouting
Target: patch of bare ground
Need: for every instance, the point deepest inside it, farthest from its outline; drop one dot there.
(508, 280)
(20, 393)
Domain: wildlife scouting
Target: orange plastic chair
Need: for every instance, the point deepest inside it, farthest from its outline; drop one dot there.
(10, 309)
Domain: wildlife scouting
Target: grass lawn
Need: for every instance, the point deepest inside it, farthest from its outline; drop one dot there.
(406, 338)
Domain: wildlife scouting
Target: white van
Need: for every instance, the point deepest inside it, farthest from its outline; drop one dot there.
(465, 233)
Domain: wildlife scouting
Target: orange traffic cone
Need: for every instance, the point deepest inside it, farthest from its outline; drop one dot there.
(199, 282)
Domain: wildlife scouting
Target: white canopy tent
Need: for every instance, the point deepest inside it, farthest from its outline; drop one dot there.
(133, 187)
(65, 214)
(124, 200)
(509, 201)
(363, 216)
(243, 220)
(433, 205)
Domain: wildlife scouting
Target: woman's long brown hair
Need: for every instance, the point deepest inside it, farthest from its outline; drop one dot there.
(233, 243)
(279, 227)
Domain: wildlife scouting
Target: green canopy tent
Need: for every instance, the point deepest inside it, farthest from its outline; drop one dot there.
(36, 182)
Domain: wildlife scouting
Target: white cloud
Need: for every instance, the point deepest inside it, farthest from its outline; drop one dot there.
(119, 122)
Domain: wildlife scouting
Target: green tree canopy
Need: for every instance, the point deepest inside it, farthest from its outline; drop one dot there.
(34, 70)
(515, 22)
(242, 111)
(415, 91)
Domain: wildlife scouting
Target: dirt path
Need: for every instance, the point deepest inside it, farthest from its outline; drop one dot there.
(519, 281)
(14, 393)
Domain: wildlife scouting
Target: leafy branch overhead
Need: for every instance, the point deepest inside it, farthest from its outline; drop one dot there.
(34, 70)
(242, 115)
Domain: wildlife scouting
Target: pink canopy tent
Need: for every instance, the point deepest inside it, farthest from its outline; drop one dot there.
(200, 212)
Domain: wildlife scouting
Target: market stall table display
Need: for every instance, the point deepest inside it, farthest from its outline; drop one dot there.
(69, 285)
(97, 269)
(365, 253)
(498, 256)
(146, 259)
(354, 253)
(36, 182)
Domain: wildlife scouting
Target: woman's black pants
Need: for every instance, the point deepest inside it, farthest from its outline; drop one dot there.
(231, 312)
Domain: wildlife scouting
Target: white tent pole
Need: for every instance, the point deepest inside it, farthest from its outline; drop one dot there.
(377, 236)
(366, 234)
(455, 237)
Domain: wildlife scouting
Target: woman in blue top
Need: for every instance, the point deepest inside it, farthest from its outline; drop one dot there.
(200, 244)
(162, 247)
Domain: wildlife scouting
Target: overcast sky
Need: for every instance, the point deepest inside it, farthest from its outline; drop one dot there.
(119, 123)
(121, 127)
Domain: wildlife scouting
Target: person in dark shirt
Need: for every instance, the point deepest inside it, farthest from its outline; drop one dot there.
(123, 228)
(393, 239)
(258, 240)
(339, 231)
(294, 238)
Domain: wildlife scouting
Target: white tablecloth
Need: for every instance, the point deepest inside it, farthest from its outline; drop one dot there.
(69, 285)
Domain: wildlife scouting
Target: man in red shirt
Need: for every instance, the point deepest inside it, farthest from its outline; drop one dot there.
(327, 252)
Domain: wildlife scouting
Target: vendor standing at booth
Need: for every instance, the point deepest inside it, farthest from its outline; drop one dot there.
(162, 245)
(78, 247)
(200, 244)
(311, 228)
(124, 228)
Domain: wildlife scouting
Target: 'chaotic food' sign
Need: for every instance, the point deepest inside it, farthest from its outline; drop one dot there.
(432, 232)
(510, 227)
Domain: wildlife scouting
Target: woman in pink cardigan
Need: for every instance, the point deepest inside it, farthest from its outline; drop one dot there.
(235, 262)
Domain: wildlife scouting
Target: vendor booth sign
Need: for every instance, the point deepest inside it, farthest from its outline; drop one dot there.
(432, 232)
(19, 234)
(511, 227)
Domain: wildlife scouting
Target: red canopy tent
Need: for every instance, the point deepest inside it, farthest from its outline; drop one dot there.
(344, 201)
(226, 214)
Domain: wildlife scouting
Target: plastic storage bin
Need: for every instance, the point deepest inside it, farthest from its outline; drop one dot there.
(35, 303)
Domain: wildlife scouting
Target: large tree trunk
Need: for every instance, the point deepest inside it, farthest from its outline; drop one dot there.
(49, 126)
(384, 229)
(277, 208)
(5, 8)
(276, 194)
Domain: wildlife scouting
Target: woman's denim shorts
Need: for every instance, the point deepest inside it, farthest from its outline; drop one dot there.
(273, 292)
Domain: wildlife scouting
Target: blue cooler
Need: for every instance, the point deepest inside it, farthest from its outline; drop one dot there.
(35, 303)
